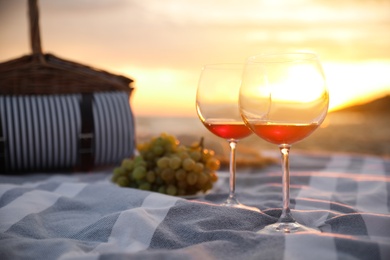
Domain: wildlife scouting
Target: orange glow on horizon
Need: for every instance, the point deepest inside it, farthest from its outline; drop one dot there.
(171, 92)
(163, 92)
(356, 83)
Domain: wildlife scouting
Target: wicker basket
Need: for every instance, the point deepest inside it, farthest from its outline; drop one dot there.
(33, 88)
(48, 74)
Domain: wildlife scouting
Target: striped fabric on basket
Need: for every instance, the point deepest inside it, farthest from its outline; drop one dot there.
(45, 132)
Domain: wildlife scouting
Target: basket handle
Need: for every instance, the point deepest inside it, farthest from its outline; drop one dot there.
(35, 37)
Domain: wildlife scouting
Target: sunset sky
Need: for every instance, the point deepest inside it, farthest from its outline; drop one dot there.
(162, 44)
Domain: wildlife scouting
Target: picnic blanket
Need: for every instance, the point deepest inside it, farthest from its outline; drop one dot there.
(85, 216)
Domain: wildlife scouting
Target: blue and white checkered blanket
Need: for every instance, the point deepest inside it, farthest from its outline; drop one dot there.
(85, 216)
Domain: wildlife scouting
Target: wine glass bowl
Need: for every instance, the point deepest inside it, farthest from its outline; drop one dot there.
(283, 99)
(286, 88)
(218, 110)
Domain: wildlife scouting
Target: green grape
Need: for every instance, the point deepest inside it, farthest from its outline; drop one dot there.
(196, 155)
(180, 174)
(203, 178)
(188, 164)
(158, 141)
(139, 163)
(183, 155)
(167, 175)
(127, 164)
(139, 173)
(192, 178)
(163, 162)
(130, 175)
(213, 177)
(123, 181)
(199, 167)
(150, 176)
(119, 171)
(170, 138)
(145, 186)
(158, 150)
(174, 162)
(207, 154)
(142, 147)
(168, 148)
(171, 190)
(149, 156)
(181, 148)
(138, 159)
(213, 164)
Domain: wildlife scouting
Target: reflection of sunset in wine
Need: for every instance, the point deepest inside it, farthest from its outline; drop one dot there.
(162, 45)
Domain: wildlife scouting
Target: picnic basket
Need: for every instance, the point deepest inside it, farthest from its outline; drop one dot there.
(56, 114)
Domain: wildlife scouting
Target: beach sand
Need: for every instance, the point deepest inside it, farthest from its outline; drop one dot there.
(341, 132)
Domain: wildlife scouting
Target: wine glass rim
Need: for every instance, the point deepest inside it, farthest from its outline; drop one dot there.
(282, 57)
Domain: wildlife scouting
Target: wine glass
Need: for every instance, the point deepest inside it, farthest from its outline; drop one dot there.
(283, 99)
(217, 108)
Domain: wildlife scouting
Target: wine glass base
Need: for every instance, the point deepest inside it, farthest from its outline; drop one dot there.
(286, 228)
(233, 202)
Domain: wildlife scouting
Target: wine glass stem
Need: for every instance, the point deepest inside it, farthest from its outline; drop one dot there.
(286, 213)
(232, 169)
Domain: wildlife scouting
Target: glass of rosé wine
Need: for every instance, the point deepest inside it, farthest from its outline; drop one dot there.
(283, 99)
(217, 108)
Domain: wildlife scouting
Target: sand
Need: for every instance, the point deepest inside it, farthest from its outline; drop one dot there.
(342, 132)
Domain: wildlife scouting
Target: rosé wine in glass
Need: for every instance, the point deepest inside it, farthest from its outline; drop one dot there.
(283, 133)
(217, 108)
(228, 130)
(283, 99)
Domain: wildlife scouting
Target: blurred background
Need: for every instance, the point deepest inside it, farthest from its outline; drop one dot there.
(162, 45)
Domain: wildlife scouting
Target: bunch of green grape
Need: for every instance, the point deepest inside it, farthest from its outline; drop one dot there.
(165, 166)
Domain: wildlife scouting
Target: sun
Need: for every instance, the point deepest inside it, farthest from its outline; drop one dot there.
(301, 84)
